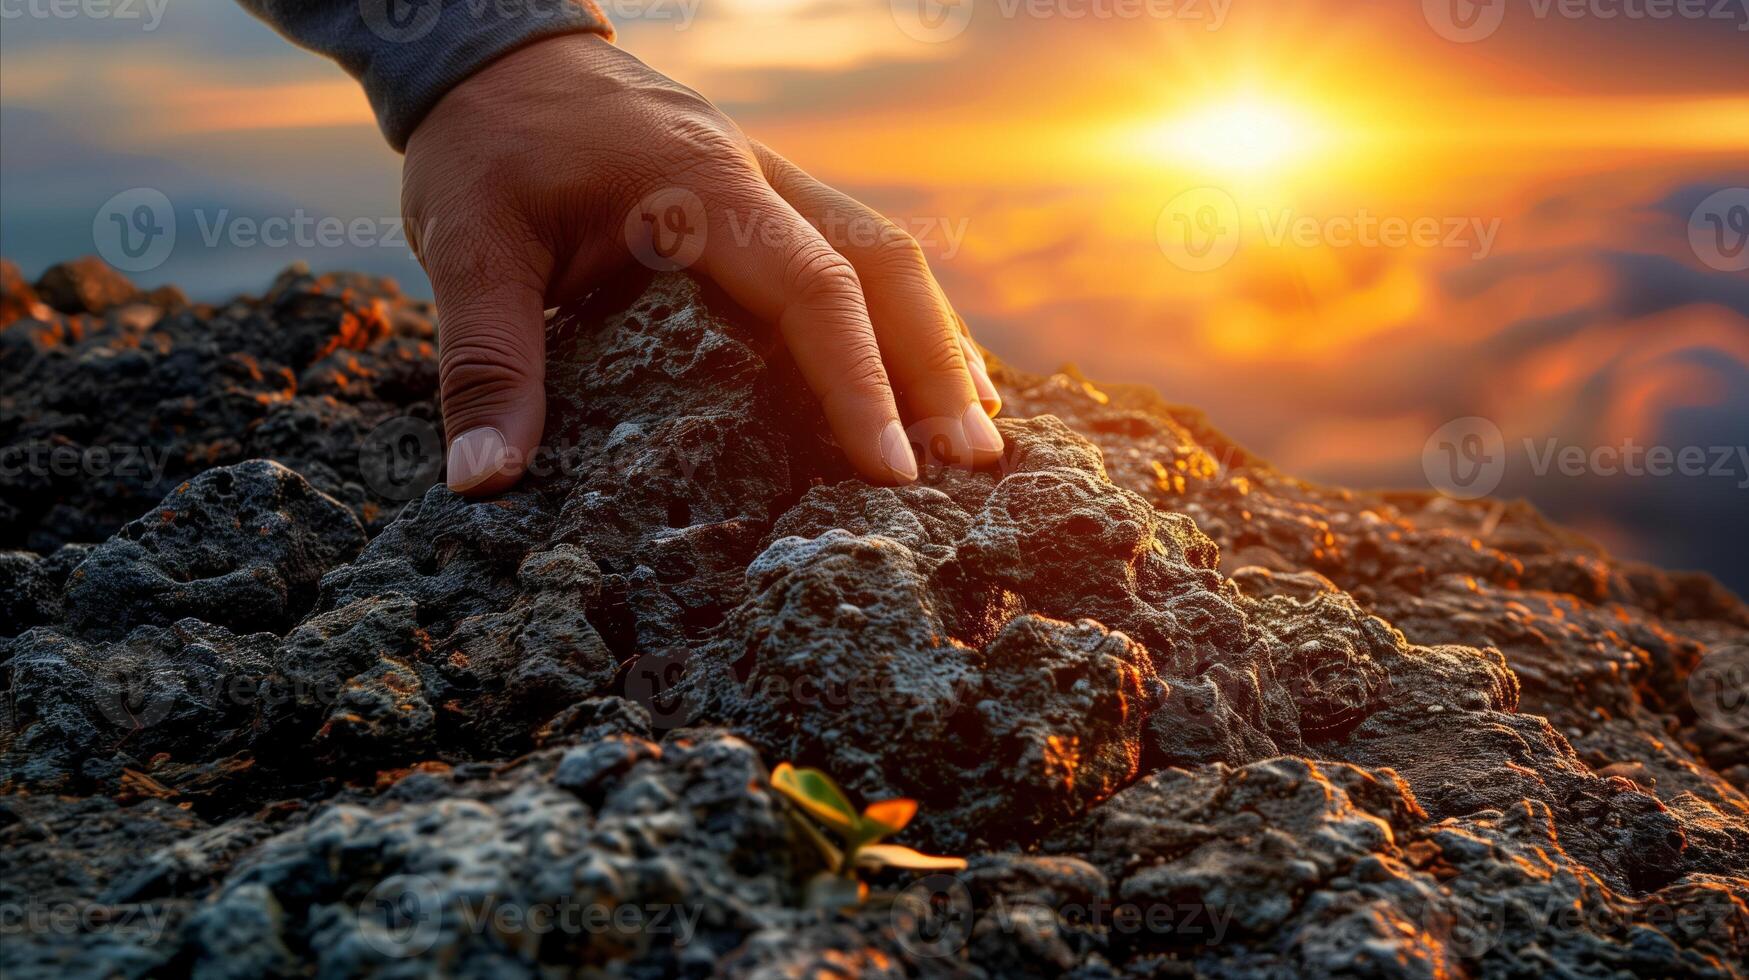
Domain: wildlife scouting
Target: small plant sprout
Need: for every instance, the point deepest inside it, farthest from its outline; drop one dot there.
(819, 798)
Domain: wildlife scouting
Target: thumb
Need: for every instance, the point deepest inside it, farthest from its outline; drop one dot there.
(491, 362)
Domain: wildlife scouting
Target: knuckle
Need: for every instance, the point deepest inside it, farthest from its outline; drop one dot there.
(484, 363)
(818, 275)
(943, 355)
(677, 98)
(697, 142)
(469, 253)
(897, 249)
(864, 376)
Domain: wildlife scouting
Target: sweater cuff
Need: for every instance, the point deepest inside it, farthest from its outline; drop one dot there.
(423, 49)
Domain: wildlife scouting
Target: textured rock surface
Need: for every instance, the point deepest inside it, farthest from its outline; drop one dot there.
(1184, 714)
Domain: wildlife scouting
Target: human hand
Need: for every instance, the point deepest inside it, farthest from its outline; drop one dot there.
(531, 168)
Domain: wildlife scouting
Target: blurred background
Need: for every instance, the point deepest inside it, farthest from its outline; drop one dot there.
(1484, 246)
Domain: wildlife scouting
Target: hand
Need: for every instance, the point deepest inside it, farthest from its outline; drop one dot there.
(523, 177)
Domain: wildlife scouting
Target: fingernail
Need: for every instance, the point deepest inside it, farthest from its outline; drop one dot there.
(475, 456)
(981, 433)
(973, 354)
(987, 393)
(896, 452)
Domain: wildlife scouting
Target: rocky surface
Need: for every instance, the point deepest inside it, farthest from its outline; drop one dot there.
(273, 708)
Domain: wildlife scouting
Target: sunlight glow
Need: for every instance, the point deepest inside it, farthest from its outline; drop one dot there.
(1244, 136)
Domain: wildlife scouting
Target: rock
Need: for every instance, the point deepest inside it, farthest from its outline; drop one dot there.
(275, 707)
(18, 299)
(499, 875)
(85, 285)
(108, 412)
(240, 546)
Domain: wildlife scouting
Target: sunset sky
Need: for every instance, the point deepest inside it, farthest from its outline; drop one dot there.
(1335, 226)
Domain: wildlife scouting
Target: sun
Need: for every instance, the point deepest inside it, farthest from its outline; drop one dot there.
(1241, 137)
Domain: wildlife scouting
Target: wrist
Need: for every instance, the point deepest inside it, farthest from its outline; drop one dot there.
(492, 63)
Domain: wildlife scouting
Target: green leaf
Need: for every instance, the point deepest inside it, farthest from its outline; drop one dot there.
(895, 856)
(819, 796)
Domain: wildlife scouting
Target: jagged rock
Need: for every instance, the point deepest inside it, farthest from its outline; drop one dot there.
(275, 713)
(240, 546)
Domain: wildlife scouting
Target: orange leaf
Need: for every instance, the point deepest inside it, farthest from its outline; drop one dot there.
(892, 815)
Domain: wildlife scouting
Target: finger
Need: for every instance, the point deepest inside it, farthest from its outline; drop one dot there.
(987, 393)
(918, 334)
(777, 266)
(491, 352)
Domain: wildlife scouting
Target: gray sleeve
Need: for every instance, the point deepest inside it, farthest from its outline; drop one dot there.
(408, 53)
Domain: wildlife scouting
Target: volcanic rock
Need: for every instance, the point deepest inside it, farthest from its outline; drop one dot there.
(278, 703)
